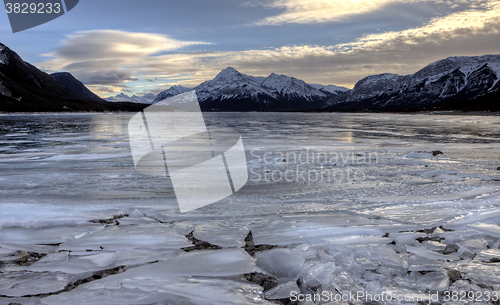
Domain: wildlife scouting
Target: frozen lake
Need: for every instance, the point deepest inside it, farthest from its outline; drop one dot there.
(401, 207)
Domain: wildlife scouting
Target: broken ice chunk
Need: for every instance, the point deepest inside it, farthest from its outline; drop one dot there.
(283, 291)
(62, 262)
(222, 233)
(283, 264)
(160, 289)
(418, 263)
(101, 260)
(481, 273)
(388, 257)
(488, 228)
(473, 245)
(22, 284)
(486, 216)
(490, 255)
(201, 263)
(442, 175)
(143, 236)
(434, 281)
(323, 273)
(406, 238)
(434, 245)
(367, 264)
(44, 236)
(431, 255)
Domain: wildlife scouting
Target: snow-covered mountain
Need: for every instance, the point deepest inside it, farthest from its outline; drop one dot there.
(292, 88)
(172, 91)
(447, 83)
(231, 90)
(331, 89)
(122, 97)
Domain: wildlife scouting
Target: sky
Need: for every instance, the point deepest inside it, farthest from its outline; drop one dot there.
(139, 47)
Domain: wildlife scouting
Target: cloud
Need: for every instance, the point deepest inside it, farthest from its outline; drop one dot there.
(322, 11)
(105, 77)
(461, 24)
(103, 56)
(475, 31)
(317, 11)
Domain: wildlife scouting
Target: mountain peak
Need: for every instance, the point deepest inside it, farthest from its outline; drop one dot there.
(122, 97)
(291, 86)
(172, 91)
(230, 69)
(63, 74)
(75, 85)
(228, 72)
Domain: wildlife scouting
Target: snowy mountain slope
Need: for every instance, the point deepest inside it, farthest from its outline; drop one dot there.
(230, 83)
(330, 89)
(172, 91)
(291, 87)
(231, 90)
(146, 99)
(439, 83)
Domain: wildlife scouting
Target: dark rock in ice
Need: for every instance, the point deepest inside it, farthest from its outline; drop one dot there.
(268, 282)
(199, 244)
(431, 230)
(498, 168)
(449, 249)
(495, 260)
(251, 248)
(454, 274)
(427, 231)
(249, 244)
(436, 152)
(110, 221)
(430, 238)
(23, 256)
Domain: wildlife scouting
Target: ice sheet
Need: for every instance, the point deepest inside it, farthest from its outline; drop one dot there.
(61, 171)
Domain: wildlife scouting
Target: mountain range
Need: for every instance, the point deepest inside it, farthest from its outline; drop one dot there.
(145, 99)
(24, 88)
(231, 90)
(454, 83)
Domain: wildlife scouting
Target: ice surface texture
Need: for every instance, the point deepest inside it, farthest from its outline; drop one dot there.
(416, 223)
